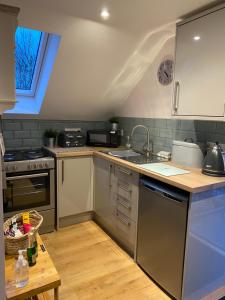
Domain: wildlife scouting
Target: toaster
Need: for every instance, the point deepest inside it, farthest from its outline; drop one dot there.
(71, 139)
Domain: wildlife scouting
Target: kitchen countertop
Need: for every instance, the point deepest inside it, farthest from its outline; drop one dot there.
(193, 182)
(71, 152)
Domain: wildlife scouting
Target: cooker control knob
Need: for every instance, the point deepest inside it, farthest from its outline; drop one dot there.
(34, 166)
(46, 165)
(40, 165)
(6, 168)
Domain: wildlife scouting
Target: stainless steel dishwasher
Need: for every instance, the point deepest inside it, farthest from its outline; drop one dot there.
(162, 221)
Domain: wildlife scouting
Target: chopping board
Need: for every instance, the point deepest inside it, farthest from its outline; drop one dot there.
(164, 169)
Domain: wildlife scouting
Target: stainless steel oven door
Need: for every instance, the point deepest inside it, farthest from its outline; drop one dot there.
(29, 190)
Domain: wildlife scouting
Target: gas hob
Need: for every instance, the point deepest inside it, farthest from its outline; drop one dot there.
(27, 160)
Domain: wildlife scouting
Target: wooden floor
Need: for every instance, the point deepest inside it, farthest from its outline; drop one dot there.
(92, 266)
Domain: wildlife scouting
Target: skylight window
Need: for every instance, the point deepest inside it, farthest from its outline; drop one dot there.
(26, 53)
(35, 54)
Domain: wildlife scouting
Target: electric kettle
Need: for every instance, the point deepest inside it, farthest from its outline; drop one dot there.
(213, 164)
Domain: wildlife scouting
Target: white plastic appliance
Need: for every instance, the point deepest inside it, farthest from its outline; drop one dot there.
(187, 154)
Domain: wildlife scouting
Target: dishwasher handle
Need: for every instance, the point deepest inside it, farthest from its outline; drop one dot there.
(166, 191)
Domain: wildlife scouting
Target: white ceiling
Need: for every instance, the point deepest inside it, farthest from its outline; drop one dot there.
(93, 52)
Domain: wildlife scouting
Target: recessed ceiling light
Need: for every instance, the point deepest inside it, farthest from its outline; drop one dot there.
(105, 13)
(196, 38)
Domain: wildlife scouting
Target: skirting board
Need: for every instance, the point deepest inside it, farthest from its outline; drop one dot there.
(79, 218)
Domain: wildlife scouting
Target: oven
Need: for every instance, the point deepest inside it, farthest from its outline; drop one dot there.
(31, 186)
(29, 190)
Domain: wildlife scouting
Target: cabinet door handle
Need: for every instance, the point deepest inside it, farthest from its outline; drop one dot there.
(63, 171)
(122, 219)
(176, 96)
(110, 174)
(125, 171)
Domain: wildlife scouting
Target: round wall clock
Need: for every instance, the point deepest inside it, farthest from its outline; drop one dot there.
(165, 72)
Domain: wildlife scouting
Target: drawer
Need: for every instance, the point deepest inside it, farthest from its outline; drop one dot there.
(124, 189)
(126, 175)
(128, 192)
(125, 230)
(128, 207)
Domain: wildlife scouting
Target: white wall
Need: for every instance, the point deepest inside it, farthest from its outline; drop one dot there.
(149, 98)
(90, 78)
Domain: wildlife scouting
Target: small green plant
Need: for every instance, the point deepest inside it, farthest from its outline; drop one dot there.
(50, 133)
(114, 120)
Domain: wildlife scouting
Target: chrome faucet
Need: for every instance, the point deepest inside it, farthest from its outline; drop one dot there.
(147, 150)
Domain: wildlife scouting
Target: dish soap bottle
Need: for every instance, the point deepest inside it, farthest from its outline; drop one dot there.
(21, 270)
(128, 144)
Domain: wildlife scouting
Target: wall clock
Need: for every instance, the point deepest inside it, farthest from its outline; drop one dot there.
(165, 72)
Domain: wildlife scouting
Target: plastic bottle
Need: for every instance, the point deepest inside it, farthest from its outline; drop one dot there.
(21, 270)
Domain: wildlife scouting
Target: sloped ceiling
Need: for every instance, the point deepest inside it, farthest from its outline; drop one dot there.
(98, 61)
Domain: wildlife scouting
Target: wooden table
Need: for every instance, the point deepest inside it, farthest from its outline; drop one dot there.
(42, 277)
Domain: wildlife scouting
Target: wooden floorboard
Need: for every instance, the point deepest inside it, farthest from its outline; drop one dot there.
(92, 266)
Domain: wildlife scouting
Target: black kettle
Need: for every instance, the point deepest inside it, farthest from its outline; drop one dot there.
(213, 164)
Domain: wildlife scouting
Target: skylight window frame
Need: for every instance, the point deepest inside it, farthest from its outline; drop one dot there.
(38, 67)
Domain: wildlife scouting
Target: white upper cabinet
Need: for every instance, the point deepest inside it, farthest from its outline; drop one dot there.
(8, 23)
(200, 66)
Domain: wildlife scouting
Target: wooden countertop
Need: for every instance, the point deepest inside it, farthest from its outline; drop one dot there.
(71, 152)
(193, 182)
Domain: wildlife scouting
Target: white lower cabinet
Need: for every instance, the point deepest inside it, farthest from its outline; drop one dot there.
(103, 192)
(74, 186)
(115, 196)
(116, 201)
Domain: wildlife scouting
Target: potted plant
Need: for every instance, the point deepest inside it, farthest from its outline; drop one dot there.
(50, 137)
(114, 123)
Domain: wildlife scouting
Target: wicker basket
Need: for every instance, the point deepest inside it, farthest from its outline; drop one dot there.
(13, 244)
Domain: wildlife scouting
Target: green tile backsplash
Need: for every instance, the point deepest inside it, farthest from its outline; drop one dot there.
(164, 131)
(29, 133)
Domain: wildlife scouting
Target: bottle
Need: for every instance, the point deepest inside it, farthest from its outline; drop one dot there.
(21, 270)
(35, 240)
(128, 145)
(31, 250)
(36, 244)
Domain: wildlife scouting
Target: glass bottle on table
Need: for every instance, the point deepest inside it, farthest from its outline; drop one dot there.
(31, 250)
(35, 240)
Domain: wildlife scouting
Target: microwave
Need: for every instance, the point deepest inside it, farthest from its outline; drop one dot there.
(71, 139)
(103, 138)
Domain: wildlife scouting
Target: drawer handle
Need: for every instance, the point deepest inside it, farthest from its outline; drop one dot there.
(125, 171)
(123, 203)
(122, 219)
(124, 187)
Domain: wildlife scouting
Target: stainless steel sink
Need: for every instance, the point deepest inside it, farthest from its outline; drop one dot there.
(123, 153)
(143, 159)
(135, 157)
